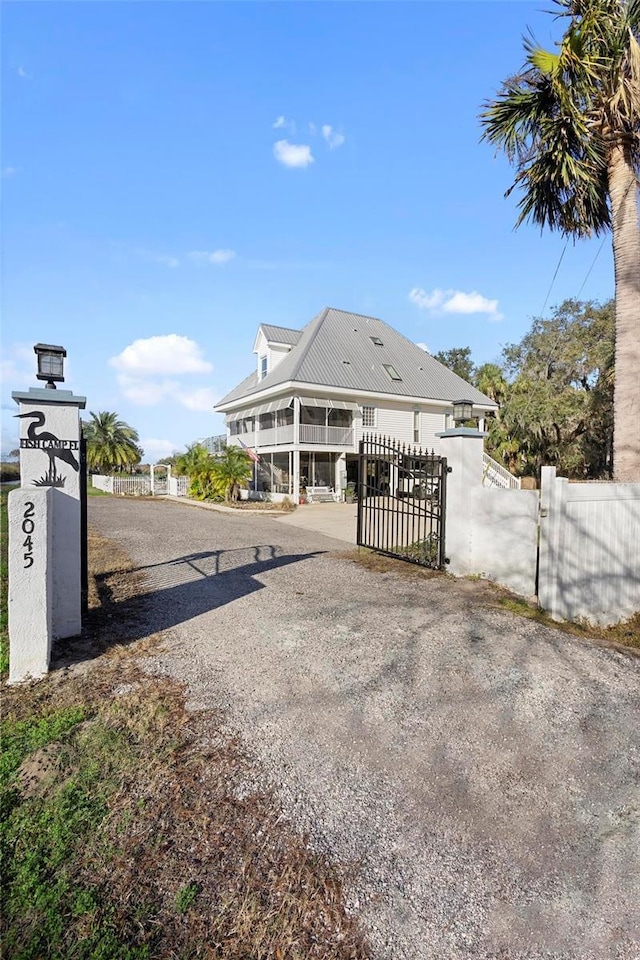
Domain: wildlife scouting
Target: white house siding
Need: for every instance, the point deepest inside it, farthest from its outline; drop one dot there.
(430, 425)
(396, 420)
(275, 355)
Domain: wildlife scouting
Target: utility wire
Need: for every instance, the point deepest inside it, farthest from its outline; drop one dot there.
(553, 280)
(593, 263)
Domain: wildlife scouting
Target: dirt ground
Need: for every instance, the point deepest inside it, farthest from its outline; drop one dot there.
(477, 771)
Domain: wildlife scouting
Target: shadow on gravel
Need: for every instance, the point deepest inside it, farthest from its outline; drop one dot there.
(170, 593)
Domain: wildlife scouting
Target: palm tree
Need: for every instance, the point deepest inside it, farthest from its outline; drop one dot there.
(111, 443)
(569, 122)
(193, 461)
(234, 468)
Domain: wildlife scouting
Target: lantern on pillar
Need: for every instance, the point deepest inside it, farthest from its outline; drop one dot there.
(50, 363)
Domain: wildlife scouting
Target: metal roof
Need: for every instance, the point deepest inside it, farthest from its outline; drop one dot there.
(280, 334)
(336, 349)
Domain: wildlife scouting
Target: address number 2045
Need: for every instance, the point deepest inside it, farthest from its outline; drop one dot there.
(28, 526)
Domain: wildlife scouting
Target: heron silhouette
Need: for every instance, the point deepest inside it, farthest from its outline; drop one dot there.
(54, 453)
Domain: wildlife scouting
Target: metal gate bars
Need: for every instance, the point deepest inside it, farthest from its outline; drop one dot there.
(401, 501)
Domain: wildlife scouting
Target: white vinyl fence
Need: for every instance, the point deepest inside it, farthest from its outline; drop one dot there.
(584, 537)
(589, 549)
(131, 486)
(178, 486)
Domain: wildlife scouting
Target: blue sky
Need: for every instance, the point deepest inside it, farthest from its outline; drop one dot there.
(174, 174)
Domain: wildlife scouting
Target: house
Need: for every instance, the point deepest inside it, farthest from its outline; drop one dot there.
(316, 391)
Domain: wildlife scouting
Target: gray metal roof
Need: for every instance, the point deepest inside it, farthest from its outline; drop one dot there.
(336, 350)
(280, 334)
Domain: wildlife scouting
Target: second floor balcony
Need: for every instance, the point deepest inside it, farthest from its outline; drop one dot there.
(326, 426)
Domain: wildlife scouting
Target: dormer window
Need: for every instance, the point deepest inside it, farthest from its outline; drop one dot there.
(392, 372)
(263, 367)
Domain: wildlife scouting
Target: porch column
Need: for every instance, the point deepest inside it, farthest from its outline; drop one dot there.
(295, 463)
(295, 457)
(341, 473)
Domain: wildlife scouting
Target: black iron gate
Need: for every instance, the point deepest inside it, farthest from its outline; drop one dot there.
(401, 501)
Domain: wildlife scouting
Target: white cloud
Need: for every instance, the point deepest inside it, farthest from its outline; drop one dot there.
(170, 354)
(154, 448)
(201, 400)
(455, 301)
(423, 346)
(333, 138)
(217, 257)
(427, 301)
(24, 73)
(18, 366)
(292, 154)
(279, 123)
(153, 371)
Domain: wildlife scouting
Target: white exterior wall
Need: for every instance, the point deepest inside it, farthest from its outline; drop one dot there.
(396, 420)
(589, 549)
(489, 532)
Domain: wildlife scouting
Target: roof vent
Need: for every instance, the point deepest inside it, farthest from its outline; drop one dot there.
(348, 362)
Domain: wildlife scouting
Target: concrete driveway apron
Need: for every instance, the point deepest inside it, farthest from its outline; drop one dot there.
(477, 772)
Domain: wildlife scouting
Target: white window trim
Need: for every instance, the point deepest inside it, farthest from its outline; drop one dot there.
(369, 426)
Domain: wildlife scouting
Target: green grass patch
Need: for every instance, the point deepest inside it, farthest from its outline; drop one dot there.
(94, 492)
(4, 581)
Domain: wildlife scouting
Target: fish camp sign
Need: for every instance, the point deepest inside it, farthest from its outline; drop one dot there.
(59, 451)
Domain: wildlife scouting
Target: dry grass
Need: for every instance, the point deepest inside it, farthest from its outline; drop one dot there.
(380, 563)
(283, 506)
(624, 637)
(188, 855)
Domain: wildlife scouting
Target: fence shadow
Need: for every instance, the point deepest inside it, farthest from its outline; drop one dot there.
(172, 592)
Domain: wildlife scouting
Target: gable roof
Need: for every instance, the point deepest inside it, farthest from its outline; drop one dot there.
(336, 349)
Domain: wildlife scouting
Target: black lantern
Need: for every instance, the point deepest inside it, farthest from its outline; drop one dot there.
(50, 363)
(462, 410)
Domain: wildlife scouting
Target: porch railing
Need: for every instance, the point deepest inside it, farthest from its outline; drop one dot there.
(495, 475)
(330, 436)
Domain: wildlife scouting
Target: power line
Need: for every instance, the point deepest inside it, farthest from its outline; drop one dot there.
(553, 280)
(590, 268)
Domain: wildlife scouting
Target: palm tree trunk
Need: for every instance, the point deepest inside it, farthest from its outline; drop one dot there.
(623, 192)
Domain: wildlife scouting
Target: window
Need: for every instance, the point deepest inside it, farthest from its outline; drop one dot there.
(263, 367)
(416, 426)
(368, 416)
(393, 373)
(378, 342)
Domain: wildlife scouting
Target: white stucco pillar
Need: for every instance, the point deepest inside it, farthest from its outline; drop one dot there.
(30, 583)
(463, 449)
(50, 460)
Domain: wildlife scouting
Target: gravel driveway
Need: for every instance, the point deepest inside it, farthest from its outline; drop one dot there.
(478, 772)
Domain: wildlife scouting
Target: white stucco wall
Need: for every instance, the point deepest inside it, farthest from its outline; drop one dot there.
(489, 532)
(62, 420)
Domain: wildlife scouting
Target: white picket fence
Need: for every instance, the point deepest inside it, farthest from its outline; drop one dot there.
(178, 486)
(129, 486)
